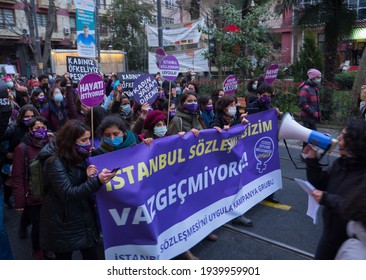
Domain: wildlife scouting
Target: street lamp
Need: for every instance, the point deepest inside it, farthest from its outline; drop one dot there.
(110, 47)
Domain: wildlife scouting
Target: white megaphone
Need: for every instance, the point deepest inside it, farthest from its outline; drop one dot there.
(290, 129)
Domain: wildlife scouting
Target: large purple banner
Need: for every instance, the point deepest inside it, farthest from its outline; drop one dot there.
(168, 196)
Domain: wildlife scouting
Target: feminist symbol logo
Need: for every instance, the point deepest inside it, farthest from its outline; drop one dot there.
(263, 152)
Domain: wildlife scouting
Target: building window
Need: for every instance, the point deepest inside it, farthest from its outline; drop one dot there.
(321, 40)
(362, 4)
(169, 4)
(102, 4)
(42, 20)
(7, 18)
(166, 20)
(103, 29)
(72, 25)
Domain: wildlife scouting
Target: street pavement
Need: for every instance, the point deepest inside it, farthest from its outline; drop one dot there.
(280, 232)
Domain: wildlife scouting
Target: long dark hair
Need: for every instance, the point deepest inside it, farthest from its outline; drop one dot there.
(183, 98)
(355, 138)
(66, 138)
(223, 102)
(23, 110)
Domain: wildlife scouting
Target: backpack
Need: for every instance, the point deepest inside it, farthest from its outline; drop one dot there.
(34, 175)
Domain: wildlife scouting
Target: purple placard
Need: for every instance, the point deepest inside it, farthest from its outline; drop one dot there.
(153, 210)
(145, 89)
(91, 90)
(230, 84)
(159, 54)
(271, 74)
(169, 67)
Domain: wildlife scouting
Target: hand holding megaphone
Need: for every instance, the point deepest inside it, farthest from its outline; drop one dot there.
(290, 129)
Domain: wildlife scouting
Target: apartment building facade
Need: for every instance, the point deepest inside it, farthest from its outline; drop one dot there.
(14, 30)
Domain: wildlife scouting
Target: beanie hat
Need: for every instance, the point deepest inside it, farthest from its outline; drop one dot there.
(153, 118)
(312, 73)
(7, 77)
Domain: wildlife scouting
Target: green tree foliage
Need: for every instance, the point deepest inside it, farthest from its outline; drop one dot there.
(337, 20)
(125, 22)
(310, 57)
(242, 50)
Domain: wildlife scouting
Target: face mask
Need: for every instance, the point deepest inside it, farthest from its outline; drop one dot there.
(231, 111)
(41, 99)
(10, 84)
(265, 100)
(209, 108)
(220, 96)
(58, 97)
(149, 110)
(171, 114)
(160, 131)
(318, 81)
(39, 133)
(113, 142)
(161, 94)
(191, 107)
(83, 149)
(26, 120)
(255, 86)
(178, 91)
(126, 109)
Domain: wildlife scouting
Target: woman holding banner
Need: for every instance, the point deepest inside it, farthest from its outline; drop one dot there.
(187, 117)
(226, 116)
(115, 135)
(68, 217)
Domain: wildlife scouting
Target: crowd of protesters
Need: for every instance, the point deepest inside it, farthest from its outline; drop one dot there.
(43, 116)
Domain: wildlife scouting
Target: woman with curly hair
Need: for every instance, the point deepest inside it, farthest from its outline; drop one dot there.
(334, 183)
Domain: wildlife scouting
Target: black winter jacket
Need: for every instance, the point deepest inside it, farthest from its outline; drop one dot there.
(68, 215)
(337, 182)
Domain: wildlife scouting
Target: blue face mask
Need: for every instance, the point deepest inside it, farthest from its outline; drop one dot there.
(113, 142)
(58, 97)
(318, 81)
(160, 131)
(126, 109)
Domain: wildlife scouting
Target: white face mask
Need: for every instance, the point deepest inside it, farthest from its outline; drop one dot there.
(231, 111)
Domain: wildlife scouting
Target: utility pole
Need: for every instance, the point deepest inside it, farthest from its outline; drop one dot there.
(37, 39)
(160, 25)
(209, 43)
(97, 32)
